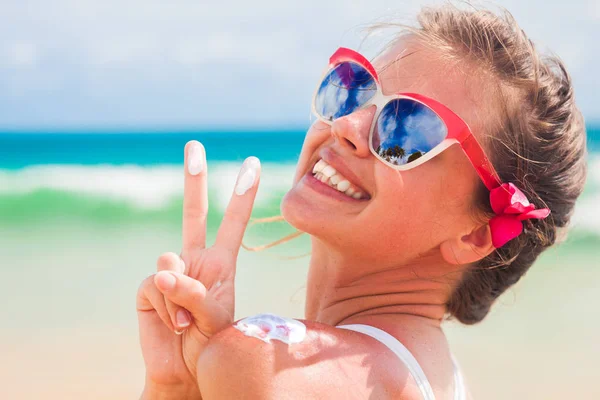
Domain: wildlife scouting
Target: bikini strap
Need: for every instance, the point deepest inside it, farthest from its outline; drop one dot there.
(460, 392)
(401, 351)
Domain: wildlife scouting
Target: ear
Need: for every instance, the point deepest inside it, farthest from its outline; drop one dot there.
(470, 248)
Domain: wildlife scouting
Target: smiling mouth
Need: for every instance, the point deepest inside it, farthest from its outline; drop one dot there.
(329, 176)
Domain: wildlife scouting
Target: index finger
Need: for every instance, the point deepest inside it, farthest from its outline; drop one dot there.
(237, 214)
(195, 197)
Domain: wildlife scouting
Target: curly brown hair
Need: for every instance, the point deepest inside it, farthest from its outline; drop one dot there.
(539, 145)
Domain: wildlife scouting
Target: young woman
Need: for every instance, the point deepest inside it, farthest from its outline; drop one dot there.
(429, 184)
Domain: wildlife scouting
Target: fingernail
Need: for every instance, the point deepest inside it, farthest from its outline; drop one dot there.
(247, 175)
(165, 280)
(183, 319)
(179, 331)
(195, 158)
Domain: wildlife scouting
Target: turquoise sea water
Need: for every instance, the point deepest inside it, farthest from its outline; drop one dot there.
(83, 217)
(130, 177)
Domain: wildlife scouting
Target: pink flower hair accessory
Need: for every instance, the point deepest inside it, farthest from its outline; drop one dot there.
(511, 208)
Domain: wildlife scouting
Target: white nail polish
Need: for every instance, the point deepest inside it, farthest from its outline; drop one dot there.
(195, 159)
(247, 175)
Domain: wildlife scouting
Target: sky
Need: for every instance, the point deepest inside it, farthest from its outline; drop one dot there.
(181, 64)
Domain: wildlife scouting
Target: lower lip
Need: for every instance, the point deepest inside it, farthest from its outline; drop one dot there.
(323, 188)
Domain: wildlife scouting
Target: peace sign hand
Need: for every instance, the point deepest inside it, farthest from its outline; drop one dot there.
(191, 298)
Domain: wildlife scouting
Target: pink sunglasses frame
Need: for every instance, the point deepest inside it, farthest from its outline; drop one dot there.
(458, 131)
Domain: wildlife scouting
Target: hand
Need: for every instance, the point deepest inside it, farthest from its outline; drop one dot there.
(191, 298)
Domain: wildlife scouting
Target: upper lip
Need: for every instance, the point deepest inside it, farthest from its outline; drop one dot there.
(338, 164)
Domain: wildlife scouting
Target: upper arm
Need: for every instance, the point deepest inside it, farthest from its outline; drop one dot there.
(328, 363)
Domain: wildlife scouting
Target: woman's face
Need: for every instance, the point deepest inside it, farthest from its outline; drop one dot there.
(406, 214)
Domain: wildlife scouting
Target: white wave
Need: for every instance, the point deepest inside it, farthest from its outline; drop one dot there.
(587, 210)
(144, 187)
(154, 187)
(587, 215)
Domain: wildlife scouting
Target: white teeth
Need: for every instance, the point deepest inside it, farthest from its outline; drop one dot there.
(329, 171)
(328, 175)
(343, 186)
(335, 179)
(319, 166)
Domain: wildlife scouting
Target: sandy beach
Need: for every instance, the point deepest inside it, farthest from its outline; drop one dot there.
(69, 327)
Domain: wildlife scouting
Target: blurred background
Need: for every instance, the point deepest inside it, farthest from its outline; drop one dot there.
(97, 99)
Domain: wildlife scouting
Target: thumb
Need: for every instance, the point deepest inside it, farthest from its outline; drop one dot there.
(209, 315)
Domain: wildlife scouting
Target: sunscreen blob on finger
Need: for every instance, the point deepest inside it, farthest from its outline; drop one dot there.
(195, 159)
(247, 175)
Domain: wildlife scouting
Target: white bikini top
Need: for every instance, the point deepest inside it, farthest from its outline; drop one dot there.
(410, 361)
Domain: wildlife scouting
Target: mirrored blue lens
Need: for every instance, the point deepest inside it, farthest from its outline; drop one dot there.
(406, 130)
(345, 89)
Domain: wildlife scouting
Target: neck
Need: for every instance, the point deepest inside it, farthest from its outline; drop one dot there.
(343, 289)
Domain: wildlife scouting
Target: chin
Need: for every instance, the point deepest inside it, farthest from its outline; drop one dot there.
(303, 214)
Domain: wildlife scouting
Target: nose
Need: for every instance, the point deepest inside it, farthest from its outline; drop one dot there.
(352, 131)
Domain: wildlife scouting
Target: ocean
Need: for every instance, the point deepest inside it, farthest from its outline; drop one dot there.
(83, 217)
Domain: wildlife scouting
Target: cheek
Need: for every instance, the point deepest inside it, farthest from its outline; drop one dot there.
(420, 208)
(407, 220)
(398, 224)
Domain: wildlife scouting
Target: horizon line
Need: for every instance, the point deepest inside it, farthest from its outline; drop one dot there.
(595, 125)
(153, 130)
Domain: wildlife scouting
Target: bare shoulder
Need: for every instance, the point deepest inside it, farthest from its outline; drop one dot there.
(296, 359)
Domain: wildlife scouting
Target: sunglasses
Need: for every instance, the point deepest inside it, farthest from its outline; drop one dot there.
(408, 129)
